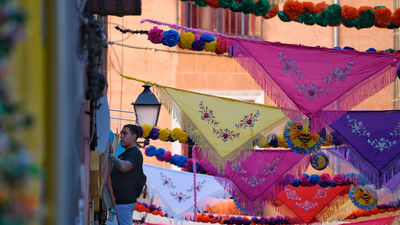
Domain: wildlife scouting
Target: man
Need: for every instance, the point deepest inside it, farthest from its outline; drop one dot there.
(126, 174)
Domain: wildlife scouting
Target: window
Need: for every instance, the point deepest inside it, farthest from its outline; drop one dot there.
(221, 20)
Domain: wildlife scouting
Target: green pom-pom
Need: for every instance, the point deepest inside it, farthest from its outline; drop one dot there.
(322, 18)
(237, 6)
(366, 19)
(261, 7)
(283, 16)
(226, 3)
(308, 18)
(200, 2)
(247, 6)
(334, 14)
(391, 50)
(350, 23)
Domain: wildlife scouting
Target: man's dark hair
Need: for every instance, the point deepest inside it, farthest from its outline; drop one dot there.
(133, 129)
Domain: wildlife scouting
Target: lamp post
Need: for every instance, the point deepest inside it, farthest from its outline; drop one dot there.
(147, 107)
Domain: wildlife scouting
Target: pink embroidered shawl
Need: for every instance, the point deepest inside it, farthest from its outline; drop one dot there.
(260, 177)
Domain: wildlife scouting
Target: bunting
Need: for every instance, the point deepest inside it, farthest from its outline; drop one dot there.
(373, 139)
(224, 128)
(260, 177)
(310, 81)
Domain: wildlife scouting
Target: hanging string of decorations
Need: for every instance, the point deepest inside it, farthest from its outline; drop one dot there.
(154, 133)
(210, 218)
(325, 180)
(258, 7)
(176, 160)
(380, 208)
(333, 15)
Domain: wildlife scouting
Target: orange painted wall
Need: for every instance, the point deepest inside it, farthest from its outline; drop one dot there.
(158, 64)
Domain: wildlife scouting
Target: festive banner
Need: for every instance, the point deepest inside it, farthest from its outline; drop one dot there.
(308, 202)
(222, 127)
(312, 80)
(380, 221)
(261, 176)
(174, 190)
(374, 143)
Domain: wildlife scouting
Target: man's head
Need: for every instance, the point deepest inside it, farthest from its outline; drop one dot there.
(129, 135)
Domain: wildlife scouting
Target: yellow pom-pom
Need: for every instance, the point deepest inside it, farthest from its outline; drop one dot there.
(186, 40)
(146, 130)
(210, 46)
(175, 133)
(263, 142)
(281, 141)
(183, 137)
(164, 134)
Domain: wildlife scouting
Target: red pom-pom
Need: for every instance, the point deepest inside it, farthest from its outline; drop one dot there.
(213, 3)
(309, 7)
(321, 6)
(349, 12)
(382, 17)
(396, 18)
(293, 9)
(221, 46)
(271, 13)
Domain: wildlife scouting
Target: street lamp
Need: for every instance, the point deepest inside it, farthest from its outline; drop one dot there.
(147, 107)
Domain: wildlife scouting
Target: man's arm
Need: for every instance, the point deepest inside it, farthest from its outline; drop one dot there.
(121, 165)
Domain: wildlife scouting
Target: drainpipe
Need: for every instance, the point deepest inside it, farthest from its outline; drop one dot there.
(396, 45)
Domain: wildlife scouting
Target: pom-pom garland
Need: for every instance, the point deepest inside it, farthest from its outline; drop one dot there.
(325, 180)
(177, 134)
(210, 218)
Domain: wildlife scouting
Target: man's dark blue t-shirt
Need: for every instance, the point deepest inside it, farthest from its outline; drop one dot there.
(124, 184)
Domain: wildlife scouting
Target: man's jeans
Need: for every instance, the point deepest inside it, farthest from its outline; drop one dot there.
(125, 212)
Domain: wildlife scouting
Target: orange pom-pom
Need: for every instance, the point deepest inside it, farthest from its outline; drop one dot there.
(396, 17)
(382, 17)
(213, 220)
(293, 9)
(321, 6)
(349, 12)
(222, 44)
(271, 13)
(309, 7)
(213, 3)
(363, 8)
(205, 219)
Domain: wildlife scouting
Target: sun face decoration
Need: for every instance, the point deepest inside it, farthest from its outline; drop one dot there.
(300, 139)
(364, 198)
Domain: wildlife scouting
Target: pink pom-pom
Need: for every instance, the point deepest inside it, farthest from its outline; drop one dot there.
(339, 179)
(325, 178)
(167, 156)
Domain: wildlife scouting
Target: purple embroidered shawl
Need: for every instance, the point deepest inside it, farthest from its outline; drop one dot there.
(374, 143)
(261, 176)
(310, 81)
(315, 81)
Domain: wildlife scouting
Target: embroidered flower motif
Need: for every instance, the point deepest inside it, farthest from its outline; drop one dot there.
(207, 114)
(311, 90)
(381, 144)
(307, 205)
(357, 127)
(248, 120)
(270, 167)
(396, 131)
(291, 194)
(181, 197)
(166, 181)
(238, 168)
(321, 193)
(199, 186)
(253, 180)
(339, 73)
(225, 134)
(290, 66)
